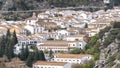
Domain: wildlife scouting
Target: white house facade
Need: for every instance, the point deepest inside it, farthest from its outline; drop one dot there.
(45, 64)
(72, 58)
(58, 46)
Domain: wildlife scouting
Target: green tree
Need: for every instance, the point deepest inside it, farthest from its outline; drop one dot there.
(86, 25)
(1, 51)
(118, 36)
(107, 41)
(24, 53)
(89, 64)
(41, 56)
(50, 53)
(8, 35)
(10, 52)
(14, 38)
(21, 55)
(36, 55)
(76, 51)
(2, 45)
(96, 56)
(116, 24)
(6, 52)
(92, 42)
(30, 59)
(102, 32)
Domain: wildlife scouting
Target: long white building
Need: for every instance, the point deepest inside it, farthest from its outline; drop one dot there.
(59, 45)
(45, 64)
(72, 58)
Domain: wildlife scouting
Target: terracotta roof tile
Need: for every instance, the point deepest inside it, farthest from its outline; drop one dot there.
(50, 63)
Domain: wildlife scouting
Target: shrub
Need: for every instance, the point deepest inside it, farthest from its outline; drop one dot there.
(96, 56)
(118, 57)
(117, 66)
(118, 36)
(76, 51)
(106, 42)
(116, 24)
(114, 31)
(111, 64)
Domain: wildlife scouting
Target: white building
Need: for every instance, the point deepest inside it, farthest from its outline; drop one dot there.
(32, 20)
(58, 46)
(62, 33)
(72, 58)
(92, 31)
(43, 15)
(27, 40)
(39, 29)
(55, 46)
(75, 37)
(106, 1)
(30, 28)
(45, 64)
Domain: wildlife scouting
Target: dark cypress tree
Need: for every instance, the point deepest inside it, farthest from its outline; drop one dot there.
(36, 55)
(6, 52)
(14, 38)
(41, 56)
(24, 53)
(21, 55)
(3, 42)
(1, 53)
(30, 59)
(10, 52)
(2, 45)
(6, 44)
(8, 35)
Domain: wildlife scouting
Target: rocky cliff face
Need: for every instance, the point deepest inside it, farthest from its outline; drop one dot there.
(20, 5)
(23, 4)
(110, 55)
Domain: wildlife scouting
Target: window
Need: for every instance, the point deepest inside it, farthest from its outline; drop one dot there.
(80, 44)
(73, 44)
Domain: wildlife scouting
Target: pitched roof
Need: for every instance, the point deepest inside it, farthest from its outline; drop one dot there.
(50, 63)
(72, 55)
(57, 43)
(78, 35)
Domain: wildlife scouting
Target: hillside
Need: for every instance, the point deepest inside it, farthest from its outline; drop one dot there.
(109, 54)
(22, 5)
(105, 47)
(40, 4)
